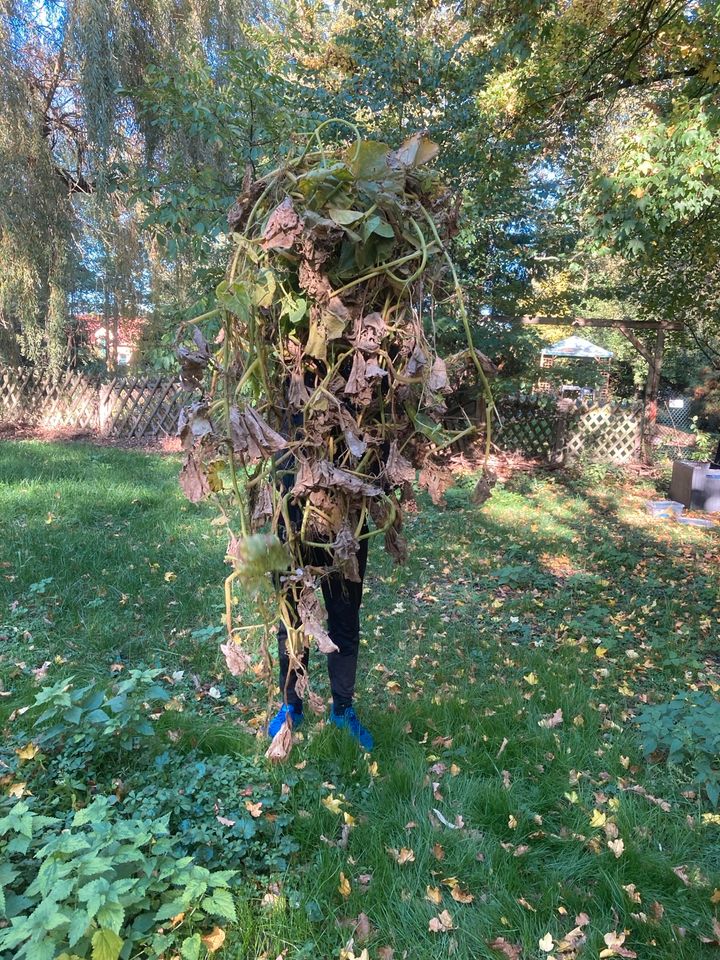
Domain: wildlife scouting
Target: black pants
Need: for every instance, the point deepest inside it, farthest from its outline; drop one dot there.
(342, 602)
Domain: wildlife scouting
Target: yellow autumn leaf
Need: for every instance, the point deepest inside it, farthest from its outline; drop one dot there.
(512, 822)
(598, 819)
(17, 789)
(349, 819)
(28, 751)
(344, 888)
(454, 769)
(214, 940)
(600, 652)
(711, 818)
(254, 809)
(170, 576)
(332, 803)
(433, 894)
(531, 678)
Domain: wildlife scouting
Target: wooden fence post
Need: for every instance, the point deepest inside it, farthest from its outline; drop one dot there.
(104, 407)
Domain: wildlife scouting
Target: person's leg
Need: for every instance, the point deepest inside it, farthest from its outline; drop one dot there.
(342, 601)
(286, 676)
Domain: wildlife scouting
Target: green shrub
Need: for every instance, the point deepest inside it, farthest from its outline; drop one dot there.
(82, 727)
(686, 732)
(101, 886)
(212, 805)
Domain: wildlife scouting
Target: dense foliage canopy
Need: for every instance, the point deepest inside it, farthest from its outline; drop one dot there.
(582, 136)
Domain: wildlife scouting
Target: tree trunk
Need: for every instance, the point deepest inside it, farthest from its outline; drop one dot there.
(652, 386)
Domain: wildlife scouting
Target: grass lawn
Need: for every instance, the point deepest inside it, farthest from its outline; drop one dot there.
(501, 672)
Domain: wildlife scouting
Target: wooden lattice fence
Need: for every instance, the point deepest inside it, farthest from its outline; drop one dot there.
(543, 428)
(126, 407)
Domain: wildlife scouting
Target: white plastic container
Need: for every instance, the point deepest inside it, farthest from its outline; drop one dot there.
(664, 509)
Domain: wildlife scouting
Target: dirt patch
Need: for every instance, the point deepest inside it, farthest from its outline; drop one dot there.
(29, 431)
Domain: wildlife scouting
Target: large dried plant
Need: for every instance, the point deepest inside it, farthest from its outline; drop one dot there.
(323, 393)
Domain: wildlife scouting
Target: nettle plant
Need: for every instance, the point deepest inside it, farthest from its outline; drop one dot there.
(686, 732)
(102, 886)
(91, 720)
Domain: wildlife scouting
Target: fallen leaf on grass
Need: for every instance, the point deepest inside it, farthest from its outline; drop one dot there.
(715, 896)
(254, 809)
(385, 953)
(214, 940)
(344, 889)
(332, 803)
(631, 891)
(681, 873)
(441, 924)
(461, 895)
(402, 856)
(433, 894)
(551, 720)
(546, 943)
(27, 752)
(615, 946)
(512, 951)
(363, 928)
(715, 939)
(617, 847)
(598, 819)
(438, 851)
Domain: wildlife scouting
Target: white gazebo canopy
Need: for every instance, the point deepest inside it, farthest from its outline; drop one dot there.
(577, 347)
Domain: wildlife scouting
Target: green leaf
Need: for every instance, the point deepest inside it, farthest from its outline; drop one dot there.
(264, 289)
(345, 217)
(172, 909)
(106, 945)
(190, 949)
(369, 160)
(294, 308)
(111, 915)
(78, 926)
(220, 904)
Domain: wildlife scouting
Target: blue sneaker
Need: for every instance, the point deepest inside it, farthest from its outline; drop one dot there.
(287, 709)
(350, 722)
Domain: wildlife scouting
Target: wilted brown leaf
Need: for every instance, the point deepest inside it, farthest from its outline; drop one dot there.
(214, 940)
(441, 924)
(512, 951)
(281, 745)
(237, 660)
(551, 720)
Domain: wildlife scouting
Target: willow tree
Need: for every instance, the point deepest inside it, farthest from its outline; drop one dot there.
(69, 71)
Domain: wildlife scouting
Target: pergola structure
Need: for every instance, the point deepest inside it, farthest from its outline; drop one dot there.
(629, 330)
(582, 349)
